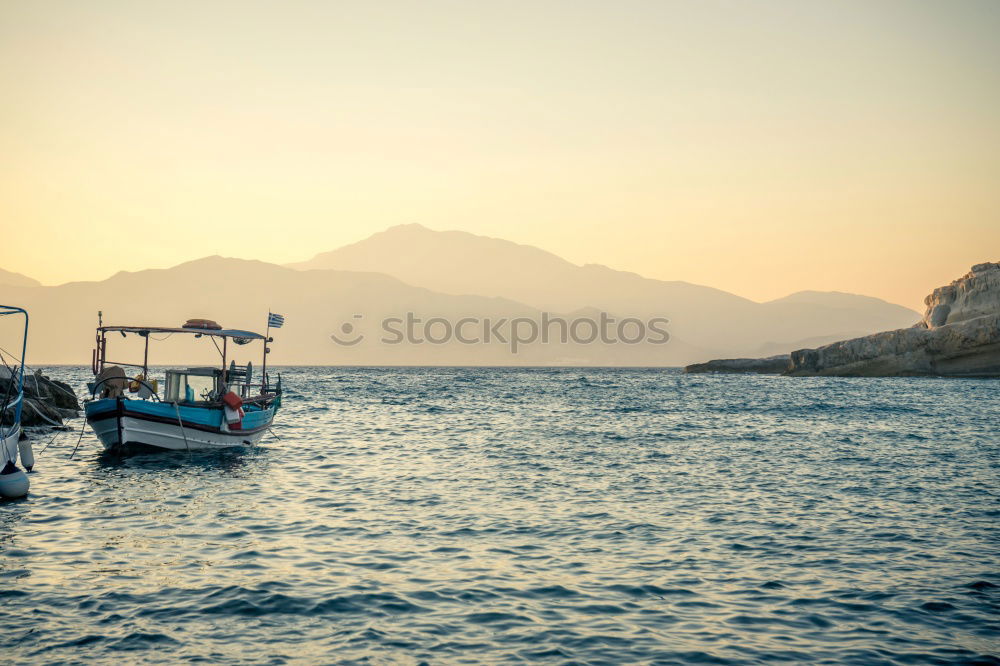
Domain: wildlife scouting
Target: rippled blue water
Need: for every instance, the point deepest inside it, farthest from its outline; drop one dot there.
(495, 515)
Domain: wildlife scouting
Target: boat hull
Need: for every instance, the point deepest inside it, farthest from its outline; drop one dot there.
(122, 423)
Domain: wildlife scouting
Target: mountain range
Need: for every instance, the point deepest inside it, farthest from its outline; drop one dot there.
(9, 279)
(456, 262)
(449, 275)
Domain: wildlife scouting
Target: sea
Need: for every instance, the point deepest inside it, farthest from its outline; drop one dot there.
(503, 516)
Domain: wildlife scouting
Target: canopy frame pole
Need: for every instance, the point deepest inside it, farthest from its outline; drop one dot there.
(104, 352)
(263, 369)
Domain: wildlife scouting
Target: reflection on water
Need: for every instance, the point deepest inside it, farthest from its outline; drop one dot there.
(447, 515)
(142, 459)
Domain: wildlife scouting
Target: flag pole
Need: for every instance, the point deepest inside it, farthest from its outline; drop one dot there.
(263, 370)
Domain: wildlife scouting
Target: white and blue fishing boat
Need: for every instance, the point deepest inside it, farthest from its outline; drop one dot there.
(13, 481)
(200, 407)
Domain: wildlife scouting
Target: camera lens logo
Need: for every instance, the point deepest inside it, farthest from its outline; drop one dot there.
(348, 331)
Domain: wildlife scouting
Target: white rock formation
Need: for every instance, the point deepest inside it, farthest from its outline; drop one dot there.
(976, 294)
(959, 335)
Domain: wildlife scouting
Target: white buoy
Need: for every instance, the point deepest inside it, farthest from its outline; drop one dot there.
(27, 455)
(14, 484)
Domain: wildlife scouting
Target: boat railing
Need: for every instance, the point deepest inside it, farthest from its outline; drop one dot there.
(266, 393)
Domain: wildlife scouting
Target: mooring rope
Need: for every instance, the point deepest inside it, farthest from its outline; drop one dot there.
(181, 425)
(79, 440)
(50, 443)
(38, 413)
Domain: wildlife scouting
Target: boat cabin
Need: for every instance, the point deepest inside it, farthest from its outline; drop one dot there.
(193, 385)
(206, 384)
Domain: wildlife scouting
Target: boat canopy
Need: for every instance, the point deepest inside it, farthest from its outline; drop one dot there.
(198, 328)
(217, 332)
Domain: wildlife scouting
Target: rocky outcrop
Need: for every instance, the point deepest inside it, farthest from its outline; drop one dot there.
(46, 401)
(959, 335)
(772, 365)
(976, 294)
(970, 348)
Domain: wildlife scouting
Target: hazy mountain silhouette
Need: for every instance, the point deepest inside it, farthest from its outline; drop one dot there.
(448, 275)
(836, 313)
(12, 279)
(457, 262)
(316, 303)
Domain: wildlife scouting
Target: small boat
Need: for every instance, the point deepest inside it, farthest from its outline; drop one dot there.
(13, 481)
(200, 407)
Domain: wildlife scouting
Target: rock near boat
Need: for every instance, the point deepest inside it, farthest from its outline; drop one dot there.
(958, 336)
(46, 401)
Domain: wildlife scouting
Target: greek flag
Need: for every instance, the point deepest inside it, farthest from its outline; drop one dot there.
(275, 320)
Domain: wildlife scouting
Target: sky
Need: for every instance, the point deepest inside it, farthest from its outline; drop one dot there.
(758, 147)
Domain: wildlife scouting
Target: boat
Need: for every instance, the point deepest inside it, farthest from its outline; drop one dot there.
(13, 481)
(200, 407)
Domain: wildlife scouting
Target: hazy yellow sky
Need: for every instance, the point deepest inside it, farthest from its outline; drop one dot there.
(759, 147)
